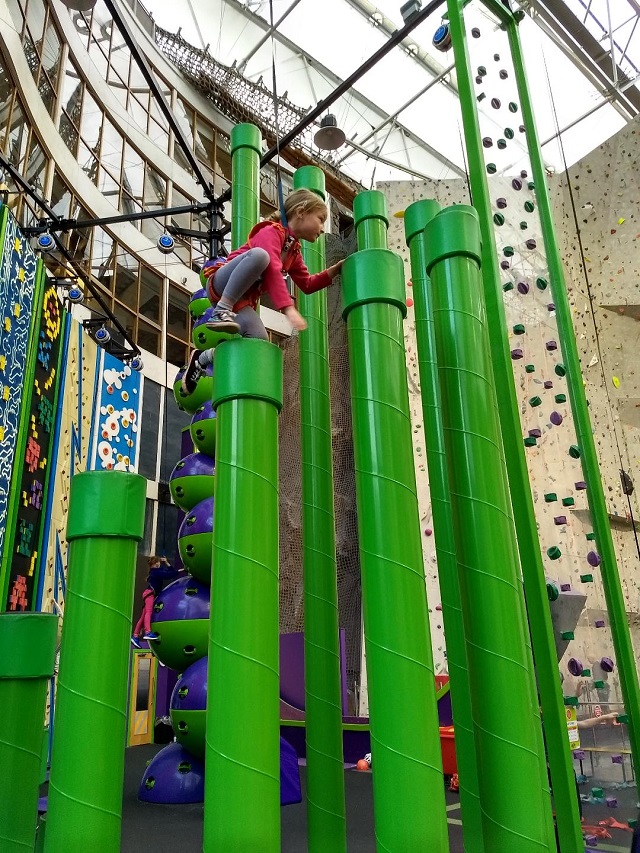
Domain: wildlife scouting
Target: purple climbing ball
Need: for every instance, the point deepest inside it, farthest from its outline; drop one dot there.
(173, 776)
(606, 664)
(593, 558)
(575, 666)
(555, 418)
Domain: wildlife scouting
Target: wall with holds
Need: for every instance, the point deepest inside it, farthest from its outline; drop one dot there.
(552, 450)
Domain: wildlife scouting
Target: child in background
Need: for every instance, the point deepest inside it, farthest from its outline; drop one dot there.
(273, 249)
(159, 575)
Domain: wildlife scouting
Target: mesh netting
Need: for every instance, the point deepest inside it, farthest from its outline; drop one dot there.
(348, 562)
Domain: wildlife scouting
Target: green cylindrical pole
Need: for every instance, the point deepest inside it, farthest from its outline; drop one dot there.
(407, 778)
(614, 597)
(514, 812)
(106, 520)
(415, 218)
(27, 656)
(326, 813)
(242, 783)
(246, 145)
(537, 605)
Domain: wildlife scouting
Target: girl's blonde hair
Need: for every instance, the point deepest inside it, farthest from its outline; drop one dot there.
(305, 199)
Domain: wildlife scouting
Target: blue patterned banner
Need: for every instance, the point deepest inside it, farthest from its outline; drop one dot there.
(18, 266)
(117, 417)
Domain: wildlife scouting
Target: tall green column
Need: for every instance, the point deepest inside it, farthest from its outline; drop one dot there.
(513, 810)
(246, 145)
(326, 813)
(405, 744)
(416, 216)
(537, 604)
(106, 521)
(242, 782)
(27, 656)
(620, 632)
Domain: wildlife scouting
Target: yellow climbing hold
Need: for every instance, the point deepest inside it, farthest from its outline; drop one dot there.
(616, 381)
(621, 220)
(399, 214)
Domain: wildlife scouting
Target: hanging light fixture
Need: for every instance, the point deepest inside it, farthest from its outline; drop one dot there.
(329, 137)
(79, 5)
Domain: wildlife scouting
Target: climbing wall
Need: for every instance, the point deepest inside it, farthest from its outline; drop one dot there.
(75, 415)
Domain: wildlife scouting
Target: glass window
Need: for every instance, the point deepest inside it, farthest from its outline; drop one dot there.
(71, 97)
(68, 132)
(169, 520)
(36, 165)
(60, 197)
(138, 111)
(108, 186)
(112, 144)
(185, 117)
(148, 436)
(148, 338)
(155, 188)
(80, 238)
(178, 312)
(205, 142)
(177, 352)
(47, 93)
(126, 289)
(130, 206)
(133, 172)
(158, 135)
(31, 55)
(182, 220)
(51, 53)
(90, 122)
(150, 294)
(35, 19)
(126, 318)
(119, 59)
(87, 162)
(171, 451)
(104, 252)
(17, 137)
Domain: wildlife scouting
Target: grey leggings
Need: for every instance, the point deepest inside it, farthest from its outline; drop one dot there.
(234, 279)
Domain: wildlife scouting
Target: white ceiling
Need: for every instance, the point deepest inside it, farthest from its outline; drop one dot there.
(399, 122)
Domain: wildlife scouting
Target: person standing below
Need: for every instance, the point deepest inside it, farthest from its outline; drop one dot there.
(259, 266)
(160, 574)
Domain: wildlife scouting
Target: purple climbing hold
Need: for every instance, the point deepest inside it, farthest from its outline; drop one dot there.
(505, 265)
(555, 418)
(616, 759)
(487, 142)
(611, 802)
(516, 354)
(593, 558)
(523, 288)
(503, 74)
(501, 203)
(548, 383)
(495, 103)
(524, 174)
(551, 345)
(579, 754)
(560, 519)
(551, 306)
(606, 664)
(599, 623)
(535, 433)
(580, 485)
(575, 666)
(516, 183)
(475, 32)
(531, 244)
(565, 587)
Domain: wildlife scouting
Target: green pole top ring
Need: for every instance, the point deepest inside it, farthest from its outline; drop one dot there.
(27, 644)
(417, 215)
(310, 178)
(248, 367)
(107, 503)
(246, 136)
(454, 232)
(373, 275)
(370, 205)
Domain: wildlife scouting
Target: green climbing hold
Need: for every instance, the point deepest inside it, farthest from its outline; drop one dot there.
(530, 368)
(508, 286)
(568, 502)
(542, 283)
(560, 398)
(550, 497)
(574, 451)
(518, 329)
(554, 553)
(492, 168)
(534, 401)
(508, 251)
(586, 578)
(498, 219)
(509, 133)
(523, 225)
(513, 107)
(529, 206)
(530, 441)
(560, 370)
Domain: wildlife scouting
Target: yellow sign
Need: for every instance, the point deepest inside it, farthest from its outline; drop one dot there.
(572, 728)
